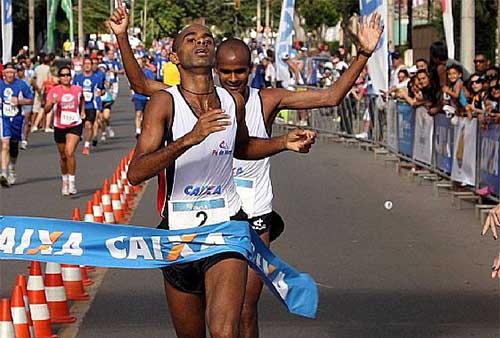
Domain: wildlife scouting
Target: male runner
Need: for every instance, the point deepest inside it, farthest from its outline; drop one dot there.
(70, 110)
(101, 76)
(140, 101)
(108, 98)
(14, 94)
(24, 75)
(253, 177)
(203, 127)
(90, 84)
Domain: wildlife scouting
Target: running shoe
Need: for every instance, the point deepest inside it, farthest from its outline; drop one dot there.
(103, 137)
(34, 129)
(86, 151)
(111, 132)
(24, 145)
(11, 178)
(49, 130)
(65, 189)
(72, 189)
(94, 143)
(4, 182)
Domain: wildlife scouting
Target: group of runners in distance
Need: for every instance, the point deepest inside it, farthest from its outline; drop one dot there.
(76, 100)
(190, 134)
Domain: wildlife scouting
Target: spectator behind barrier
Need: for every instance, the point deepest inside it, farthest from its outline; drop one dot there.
(454, 100)
(476, 101)
(481, 63)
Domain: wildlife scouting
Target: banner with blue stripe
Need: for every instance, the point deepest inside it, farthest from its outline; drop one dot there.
(124, 246)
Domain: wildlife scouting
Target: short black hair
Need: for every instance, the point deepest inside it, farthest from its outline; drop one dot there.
(455, 66)
(405, 72)
(422, 60)
(422, 71)
(63, 68)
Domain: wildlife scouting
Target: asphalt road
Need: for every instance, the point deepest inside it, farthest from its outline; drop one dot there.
(420, 269)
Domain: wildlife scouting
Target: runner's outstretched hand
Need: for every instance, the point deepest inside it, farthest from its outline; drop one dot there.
(492, 221)
(211, 122)
(118, 22)
(300, 140)
(496, 267)
(370, 31)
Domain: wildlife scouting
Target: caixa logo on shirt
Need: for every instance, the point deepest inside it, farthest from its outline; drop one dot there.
(203, 190)
(67, 98)
(224, 150)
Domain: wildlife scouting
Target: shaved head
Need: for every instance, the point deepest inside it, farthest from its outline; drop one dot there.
(235, 50)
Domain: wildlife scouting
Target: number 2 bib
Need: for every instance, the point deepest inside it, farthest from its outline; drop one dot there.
(191, 214)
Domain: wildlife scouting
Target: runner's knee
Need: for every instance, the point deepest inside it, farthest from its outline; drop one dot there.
(223, 327)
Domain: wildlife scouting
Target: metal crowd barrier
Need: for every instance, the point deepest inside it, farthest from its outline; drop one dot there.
(457, 149)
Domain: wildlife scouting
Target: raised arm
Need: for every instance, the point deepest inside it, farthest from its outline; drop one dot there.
(276, 99)
(118, 23)
(253, 148)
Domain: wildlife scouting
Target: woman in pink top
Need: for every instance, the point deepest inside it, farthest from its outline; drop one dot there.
(70, 111)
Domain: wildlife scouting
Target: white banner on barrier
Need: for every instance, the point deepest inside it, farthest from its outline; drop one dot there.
(424, 129)
(464, 152)
(392, 125)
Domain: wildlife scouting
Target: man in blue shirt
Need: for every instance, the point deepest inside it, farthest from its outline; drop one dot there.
(160, 60)
(14, 94)
(141, 100)
(92, 85)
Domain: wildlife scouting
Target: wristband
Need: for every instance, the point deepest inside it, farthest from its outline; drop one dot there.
(364, 53)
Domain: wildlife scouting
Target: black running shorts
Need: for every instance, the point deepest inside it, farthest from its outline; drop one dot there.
(190, 277)
(60, 133)
(90, 115)
(271, 222)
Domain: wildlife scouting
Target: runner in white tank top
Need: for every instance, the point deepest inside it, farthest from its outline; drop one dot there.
(199, 189)
(211, 290)
(233, 68)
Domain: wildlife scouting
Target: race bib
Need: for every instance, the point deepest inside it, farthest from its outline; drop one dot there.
(9, 110)
(69, 117)
(245, 187)
(87, 96)
(192, 214)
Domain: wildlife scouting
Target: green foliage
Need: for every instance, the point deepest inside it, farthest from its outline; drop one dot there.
(317, 13)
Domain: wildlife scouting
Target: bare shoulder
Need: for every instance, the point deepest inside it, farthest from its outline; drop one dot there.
(160, 104)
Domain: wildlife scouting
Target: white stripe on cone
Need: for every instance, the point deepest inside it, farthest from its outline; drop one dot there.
(71, 274)
(55, 293)
(35, 283)
(88, 218)
(19, 315)
(97, 210)
(6, 329)
(39, 312)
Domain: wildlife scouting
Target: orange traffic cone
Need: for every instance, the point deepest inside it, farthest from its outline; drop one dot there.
(38, 303)
(6, 326)
(19, 316)
(56, 295)
(72, 280)
(85, 277)
(106, 203)
(123, 201)
(89, 215)
(21, 281)
(97, 209)
(115, 200)
(76, 216)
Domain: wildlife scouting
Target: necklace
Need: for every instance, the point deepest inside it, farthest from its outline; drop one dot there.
(194, 93)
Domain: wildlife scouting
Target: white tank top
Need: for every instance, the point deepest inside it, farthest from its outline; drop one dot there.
(198, 189)
(253, 181)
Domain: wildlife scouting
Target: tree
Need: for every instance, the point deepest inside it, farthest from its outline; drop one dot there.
(318, 14)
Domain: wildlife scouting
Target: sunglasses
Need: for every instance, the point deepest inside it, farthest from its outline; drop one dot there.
(477, 82)
(479, 61)
(65, 74)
